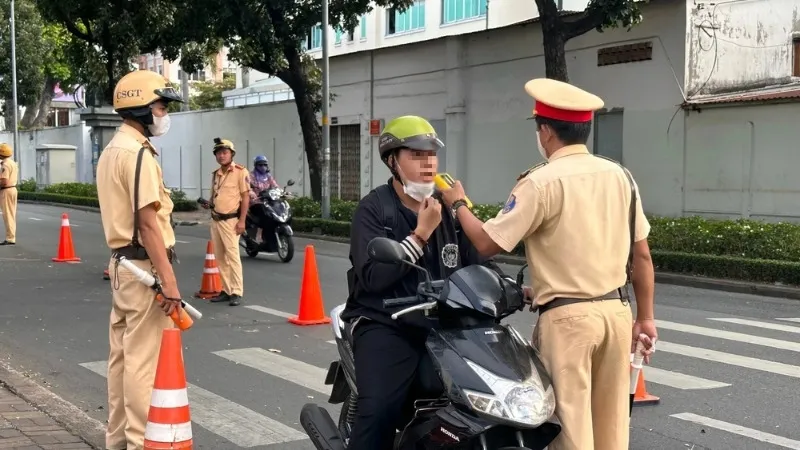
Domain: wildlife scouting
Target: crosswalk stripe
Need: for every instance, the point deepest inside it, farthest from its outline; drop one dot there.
(728, 358)
(297, 372)
(729, 335)
(242, 426)
(270, 311)
(739, 430)
(755, 323)
(679, 380)
(791, 319)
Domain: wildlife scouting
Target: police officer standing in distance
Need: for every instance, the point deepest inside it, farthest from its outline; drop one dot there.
(9, 176)
(585, 235)
(135, 208)
(230, 200)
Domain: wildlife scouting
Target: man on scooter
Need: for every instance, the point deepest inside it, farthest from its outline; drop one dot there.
(260, 178)
(389, 353)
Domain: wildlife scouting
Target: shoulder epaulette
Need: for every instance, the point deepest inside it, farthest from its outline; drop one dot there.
(240, 167)
(525, 174)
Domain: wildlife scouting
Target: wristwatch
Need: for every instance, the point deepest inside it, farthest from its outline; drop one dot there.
(459, 203)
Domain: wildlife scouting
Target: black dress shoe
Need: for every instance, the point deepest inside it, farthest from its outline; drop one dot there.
(8, 243)
(234, 300)
(222, 297)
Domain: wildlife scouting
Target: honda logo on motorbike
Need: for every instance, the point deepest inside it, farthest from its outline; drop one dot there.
(449, 434)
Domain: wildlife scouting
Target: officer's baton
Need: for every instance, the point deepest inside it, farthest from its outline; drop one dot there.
(636, 366)
(150, 281)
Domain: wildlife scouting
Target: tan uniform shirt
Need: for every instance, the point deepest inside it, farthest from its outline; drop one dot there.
(116, 172)
(573, 215)
(10, 172)
(228, 187)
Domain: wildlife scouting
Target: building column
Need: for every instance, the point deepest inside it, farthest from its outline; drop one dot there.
(455, 112)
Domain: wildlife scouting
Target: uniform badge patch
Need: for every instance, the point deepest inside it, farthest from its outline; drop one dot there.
(450, 256)
(512, 201)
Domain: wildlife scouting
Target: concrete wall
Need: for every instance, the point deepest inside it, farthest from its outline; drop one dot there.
(738, 45)
(742, 162)
(77, 135)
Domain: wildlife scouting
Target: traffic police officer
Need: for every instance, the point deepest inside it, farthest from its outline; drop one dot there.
(135, 208)
(575, 214)
(9, 174)
(230, 199)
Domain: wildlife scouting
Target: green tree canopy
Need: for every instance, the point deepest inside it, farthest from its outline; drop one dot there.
(598, 15)
(269, 36)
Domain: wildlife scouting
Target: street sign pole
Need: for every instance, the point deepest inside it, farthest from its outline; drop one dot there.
(17, 151)
(326, 120)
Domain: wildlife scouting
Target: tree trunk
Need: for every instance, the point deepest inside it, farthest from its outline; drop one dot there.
(45, 100)
(307, 105)
(8, 115)
(30, 115)
(555, 59)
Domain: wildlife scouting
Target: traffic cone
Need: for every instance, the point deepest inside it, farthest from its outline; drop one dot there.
(169, 422)
(311, 308)
(66, 250)
(211, 285)
(641, 397)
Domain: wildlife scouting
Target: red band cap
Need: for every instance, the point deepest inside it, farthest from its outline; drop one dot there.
(565, 115)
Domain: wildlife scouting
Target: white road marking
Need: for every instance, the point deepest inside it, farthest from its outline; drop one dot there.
(765, 325)
(297, 372)
(271, 311)
(679, 380)
(729, 335)
(331, 342)
(739, 430)
(182, 242)
(791, 319)
(34, 218)
(728, 358)
(242, 426)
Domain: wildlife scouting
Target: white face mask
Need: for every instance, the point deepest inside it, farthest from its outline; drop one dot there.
(541, 148)
(416, 190)
(160, 125)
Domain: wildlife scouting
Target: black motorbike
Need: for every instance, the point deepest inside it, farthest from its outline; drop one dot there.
(492, 391)
(273, 218)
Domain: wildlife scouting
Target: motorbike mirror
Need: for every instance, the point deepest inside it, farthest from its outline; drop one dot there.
(521, 274)
(290, 182)
(385, 250)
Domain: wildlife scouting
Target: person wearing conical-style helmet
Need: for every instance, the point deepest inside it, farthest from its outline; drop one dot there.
(135, 208)
(407, 209)
(9, 176)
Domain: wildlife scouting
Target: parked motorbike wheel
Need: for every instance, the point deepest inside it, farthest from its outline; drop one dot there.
(285, 248)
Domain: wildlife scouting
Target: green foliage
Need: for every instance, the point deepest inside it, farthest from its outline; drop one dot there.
(28, 185)
(85, 194)
(209, 93)
(31, 48)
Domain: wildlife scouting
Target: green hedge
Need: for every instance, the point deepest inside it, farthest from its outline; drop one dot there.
(84, 194)
(734, 249)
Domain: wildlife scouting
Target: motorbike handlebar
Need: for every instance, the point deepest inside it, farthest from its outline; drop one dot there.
(400, 301)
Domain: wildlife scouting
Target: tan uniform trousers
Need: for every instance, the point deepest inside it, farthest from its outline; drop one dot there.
(134, 335)
(585, 348)
(226, 252)
(8, 204)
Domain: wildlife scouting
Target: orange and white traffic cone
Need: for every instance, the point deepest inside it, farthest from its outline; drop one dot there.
(211, 285)
(66, 249)
(641, 397)
(169, 422)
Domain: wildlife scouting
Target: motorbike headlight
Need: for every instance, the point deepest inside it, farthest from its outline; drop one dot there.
(274, 195)
(525, 403)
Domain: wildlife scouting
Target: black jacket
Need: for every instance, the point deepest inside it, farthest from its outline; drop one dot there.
(371, 282)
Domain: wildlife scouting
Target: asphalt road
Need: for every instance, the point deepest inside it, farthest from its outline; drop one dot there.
(723, 369)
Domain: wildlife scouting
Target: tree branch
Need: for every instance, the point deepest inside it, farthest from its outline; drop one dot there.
(590, 20)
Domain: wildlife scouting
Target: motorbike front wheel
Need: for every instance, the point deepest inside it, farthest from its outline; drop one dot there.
(285, 248)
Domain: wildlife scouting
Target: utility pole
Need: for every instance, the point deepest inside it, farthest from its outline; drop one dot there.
(17, 151)
(326, 120)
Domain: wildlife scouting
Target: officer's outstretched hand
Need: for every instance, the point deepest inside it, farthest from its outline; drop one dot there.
(430, 215)
(451, 195)
(645, 330)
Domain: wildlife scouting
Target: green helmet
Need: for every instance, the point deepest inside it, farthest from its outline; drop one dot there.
(408, 132)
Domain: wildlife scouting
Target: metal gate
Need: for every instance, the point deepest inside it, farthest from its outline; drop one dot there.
(345, 174)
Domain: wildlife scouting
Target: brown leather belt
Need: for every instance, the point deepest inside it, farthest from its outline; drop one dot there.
(140, 253)
(220, 217)
(7, 187)
(620, 294)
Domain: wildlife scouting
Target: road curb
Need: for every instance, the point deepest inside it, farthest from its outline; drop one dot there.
(72, 418)
(738, 287)
(183, 223)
